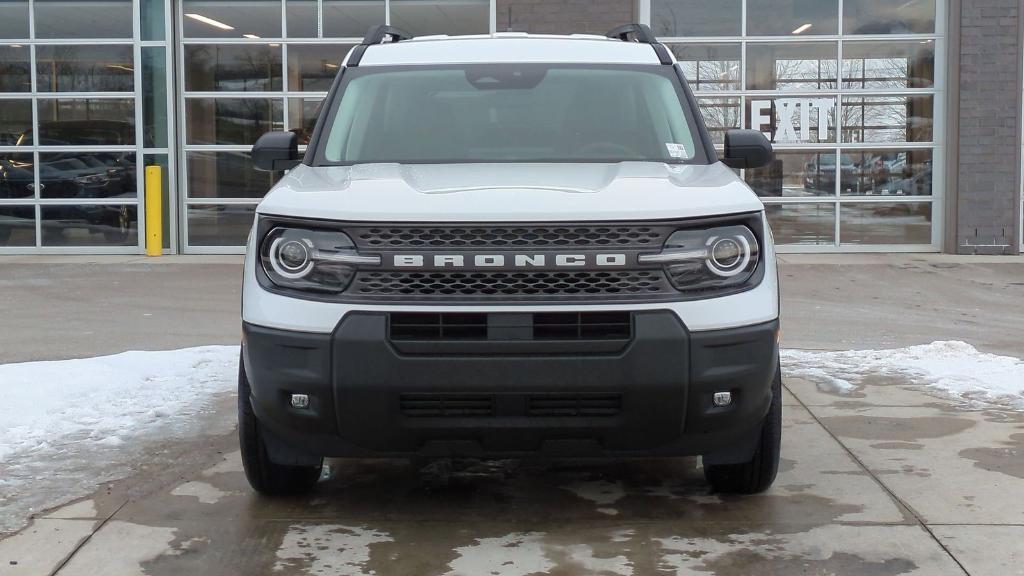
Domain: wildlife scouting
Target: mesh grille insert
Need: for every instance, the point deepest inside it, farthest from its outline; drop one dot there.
(611, 235)
(636, 283)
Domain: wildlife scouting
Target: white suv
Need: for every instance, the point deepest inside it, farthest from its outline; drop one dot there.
(506, 246)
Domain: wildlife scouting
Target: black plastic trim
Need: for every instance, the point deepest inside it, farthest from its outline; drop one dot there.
(377, 34)
(357, 56)
(641, 32)
(747, 149)
(276, 151)
(506, 334)
(662, 53)
(666, 380)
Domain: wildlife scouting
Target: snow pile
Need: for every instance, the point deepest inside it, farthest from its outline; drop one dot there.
(954, 367)
(102, 400)
(69, 425)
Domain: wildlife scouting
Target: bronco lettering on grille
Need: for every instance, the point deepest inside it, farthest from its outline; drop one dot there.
(509, 260)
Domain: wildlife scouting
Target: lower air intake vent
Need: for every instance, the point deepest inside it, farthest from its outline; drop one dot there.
(554, 326)
(582, 326)
(446, 405)
(413, 326)
(568, 405)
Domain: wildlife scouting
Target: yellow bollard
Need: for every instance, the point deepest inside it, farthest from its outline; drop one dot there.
(154, 209)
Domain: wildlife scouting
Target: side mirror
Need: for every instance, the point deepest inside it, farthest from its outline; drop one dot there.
(276, 151)
(746, 149)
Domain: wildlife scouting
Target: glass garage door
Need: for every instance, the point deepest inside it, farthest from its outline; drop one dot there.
(267, 66)
(82, 108)
(850, 93)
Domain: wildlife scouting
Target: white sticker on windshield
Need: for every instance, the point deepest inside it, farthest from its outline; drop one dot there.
(676, 150)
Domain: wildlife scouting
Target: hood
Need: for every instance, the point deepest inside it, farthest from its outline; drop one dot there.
(509, 192)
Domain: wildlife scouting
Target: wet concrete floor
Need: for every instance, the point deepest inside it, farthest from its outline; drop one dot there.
(891, 480)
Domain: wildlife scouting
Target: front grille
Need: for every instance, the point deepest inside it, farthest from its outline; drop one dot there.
(606, 236)
(578, 405)
(547, 326)
(510, 262)
(513, 285)
(446, 405)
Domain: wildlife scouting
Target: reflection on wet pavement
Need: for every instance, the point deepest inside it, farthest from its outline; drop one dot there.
(858, 484)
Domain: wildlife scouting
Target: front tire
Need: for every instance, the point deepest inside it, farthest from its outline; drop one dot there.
(757, 474)
(265, 476)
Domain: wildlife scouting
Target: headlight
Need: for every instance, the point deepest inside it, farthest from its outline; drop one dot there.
(312, 260)
(709, 260)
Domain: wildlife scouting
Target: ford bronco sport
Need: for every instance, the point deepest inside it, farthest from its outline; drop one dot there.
(506, 246)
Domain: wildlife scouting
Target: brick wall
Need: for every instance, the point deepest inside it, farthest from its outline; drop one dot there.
(563, 16)
(988, 209)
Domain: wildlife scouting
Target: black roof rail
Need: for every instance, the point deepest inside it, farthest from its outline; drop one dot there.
(643, 34)
(376, 35)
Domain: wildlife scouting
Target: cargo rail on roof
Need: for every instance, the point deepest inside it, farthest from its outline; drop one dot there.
(384, 34)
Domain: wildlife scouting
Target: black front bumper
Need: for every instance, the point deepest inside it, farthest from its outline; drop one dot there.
(648, 396)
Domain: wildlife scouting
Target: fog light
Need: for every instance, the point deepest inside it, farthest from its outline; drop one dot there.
(721, 399)
(300, 401)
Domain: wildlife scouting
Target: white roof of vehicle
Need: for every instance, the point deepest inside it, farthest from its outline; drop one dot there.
(509, 47)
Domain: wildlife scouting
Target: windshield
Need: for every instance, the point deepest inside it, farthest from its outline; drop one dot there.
(509, 113)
